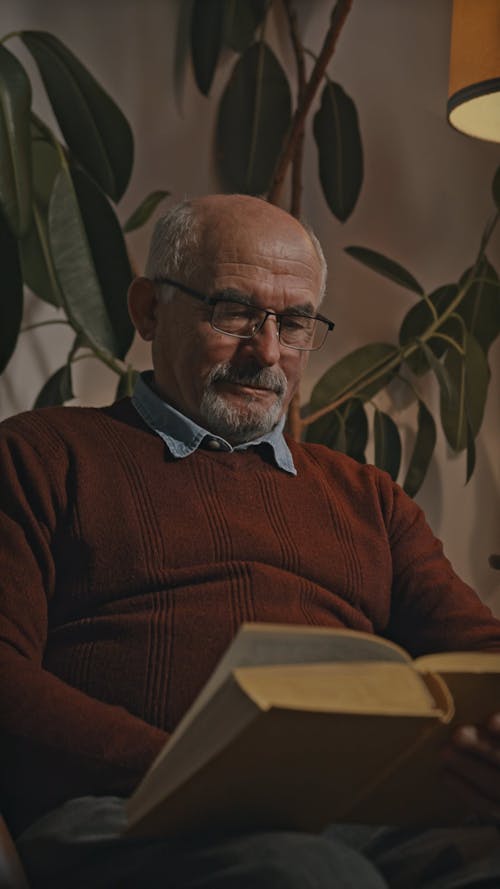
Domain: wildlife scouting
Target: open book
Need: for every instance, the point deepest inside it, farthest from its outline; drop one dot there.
(300, 726)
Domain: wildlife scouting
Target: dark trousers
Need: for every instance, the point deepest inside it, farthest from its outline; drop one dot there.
(79, 845)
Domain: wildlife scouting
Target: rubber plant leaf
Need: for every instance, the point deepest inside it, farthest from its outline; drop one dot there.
(387, 444)
(240, 22)
(423, 450)
(83, 300)
(362, 373)
(386, 267)
(57, 389)
(96, 131)
(37, 263)
(326, 431)
(207, 32)
(471, 455)
(417, 322)
(356, 424)
(480, 307)
(465, 406)
(15, 143)
(340, 153)
(495, 188)
(109, 257)
(11, 297)
(254, 116)
(145, 210)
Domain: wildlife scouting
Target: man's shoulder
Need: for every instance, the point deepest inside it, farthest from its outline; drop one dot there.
(59, 425)
(310, 454)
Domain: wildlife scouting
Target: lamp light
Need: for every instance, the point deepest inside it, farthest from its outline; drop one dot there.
(474, 93)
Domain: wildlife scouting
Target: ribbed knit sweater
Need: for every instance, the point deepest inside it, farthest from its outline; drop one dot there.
(124, 574)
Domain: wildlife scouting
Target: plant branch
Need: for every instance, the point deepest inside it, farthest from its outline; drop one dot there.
(298, 154)
(339, 15)
(382, 368)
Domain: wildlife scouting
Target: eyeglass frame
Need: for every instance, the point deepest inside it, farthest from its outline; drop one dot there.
(217, 297)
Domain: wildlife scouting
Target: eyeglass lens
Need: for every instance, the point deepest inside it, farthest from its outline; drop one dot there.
(296, 331)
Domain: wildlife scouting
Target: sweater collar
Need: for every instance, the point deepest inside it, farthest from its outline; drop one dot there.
(183, 436)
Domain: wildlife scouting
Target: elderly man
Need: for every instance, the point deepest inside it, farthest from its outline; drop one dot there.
(136, 538)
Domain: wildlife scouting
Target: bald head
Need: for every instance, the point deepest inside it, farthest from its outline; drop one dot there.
(191, 231)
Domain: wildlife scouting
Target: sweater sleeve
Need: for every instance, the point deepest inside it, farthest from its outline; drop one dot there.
(432, 609)
(58, 742)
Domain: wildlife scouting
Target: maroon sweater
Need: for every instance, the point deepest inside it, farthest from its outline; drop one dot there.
(124, 574)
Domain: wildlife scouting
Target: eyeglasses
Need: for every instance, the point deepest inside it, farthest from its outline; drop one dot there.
(234, 316)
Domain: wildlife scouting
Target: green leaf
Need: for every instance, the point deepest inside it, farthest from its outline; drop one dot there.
(356, 424)
(109, 255)
(387, 444)
(386, 267)
(422, 451)
(345, 429)
(145, 210)
(328, 431)
(477, 379)
(11, 298)
(340, 153)
(126, 384)
(480, 307)
(38, 267)
(471, 455)
(83, 299)
(495, 188)
(15, 143)
(444, 379)
(417, 321)
(254, 116)
(95, 130)
(57, 389)
(241, 19)
(207, 29)
(465, 405)
(349, 374)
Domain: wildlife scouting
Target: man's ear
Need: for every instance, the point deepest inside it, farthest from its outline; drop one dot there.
(142, 306)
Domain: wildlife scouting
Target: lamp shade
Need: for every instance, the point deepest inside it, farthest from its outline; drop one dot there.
(474, 93)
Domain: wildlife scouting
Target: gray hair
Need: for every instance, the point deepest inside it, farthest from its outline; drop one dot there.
(175, 245)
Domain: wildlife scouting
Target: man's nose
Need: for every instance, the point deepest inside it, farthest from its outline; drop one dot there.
(265, 344)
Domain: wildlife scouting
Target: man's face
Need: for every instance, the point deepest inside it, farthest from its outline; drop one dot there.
(237, 388)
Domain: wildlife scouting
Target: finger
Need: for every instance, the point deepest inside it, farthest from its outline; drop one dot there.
(478, 741)
(473, 799)
(493, 725)
(477, 775)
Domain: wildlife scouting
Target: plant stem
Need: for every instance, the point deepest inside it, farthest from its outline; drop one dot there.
(298, 154)
(339, 15)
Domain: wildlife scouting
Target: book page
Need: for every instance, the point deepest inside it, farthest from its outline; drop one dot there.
(459, 662)
(363, 688)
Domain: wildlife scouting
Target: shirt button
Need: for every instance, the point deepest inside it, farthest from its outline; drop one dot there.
(213, 444)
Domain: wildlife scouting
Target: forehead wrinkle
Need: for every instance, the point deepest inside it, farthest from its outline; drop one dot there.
(247, 299)
(278, 260)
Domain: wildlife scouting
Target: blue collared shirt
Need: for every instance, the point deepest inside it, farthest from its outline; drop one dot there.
(183, 436)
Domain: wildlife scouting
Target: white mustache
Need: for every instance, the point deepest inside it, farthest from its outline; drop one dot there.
(263, 378)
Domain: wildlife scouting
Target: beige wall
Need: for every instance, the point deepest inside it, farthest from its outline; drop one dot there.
(424, 201)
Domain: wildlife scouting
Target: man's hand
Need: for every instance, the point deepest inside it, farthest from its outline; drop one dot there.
(472, 762)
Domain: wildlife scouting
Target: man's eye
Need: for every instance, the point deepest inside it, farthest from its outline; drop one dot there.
(290, 322)
(237, 312)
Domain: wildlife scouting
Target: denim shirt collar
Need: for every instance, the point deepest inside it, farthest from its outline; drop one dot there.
(183, 436)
